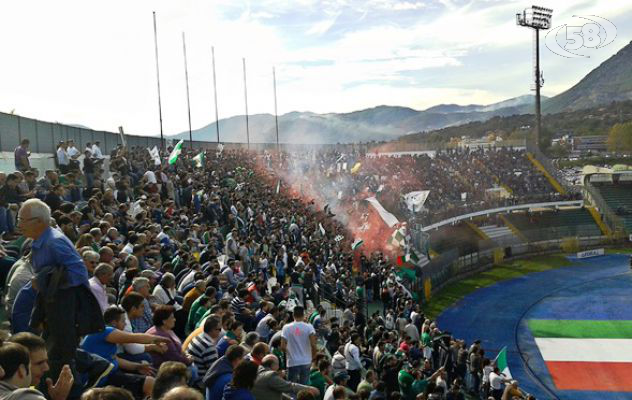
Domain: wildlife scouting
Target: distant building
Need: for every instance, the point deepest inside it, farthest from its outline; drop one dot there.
(590, 143)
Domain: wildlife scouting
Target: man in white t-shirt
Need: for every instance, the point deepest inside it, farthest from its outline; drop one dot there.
(62, 158)
(96, 150)
(496, 380)
(73, 154)
(300, 341)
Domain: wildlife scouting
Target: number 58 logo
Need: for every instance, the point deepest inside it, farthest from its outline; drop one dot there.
(564, 40)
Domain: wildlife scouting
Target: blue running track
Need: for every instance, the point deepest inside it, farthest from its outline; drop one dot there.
(598, 288)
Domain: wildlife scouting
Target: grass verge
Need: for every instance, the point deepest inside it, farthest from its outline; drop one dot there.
(514, 269)
(622, 250)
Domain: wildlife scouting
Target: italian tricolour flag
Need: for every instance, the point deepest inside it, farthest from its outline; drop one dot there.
(586, 355)
(501, 363)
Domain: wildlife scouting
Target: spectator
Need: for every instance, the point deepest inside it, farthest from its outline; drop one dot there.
(231, 337)
(300, 339)
(202, 348)
(171, 374)
(71, 313)
(164, 321)
(137, 378)
(269, 385)
(240, 386)
(98, 284)
(21, 156)
(63, 162)
(221, 372)
(16, 365)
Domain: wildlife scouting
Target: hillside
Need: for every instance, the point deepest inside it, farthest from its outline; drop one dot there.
(595, 121)
(377, 123)
(611, 81)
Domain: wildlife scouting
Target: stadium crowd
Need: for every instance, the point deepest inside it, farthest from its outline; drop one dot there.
(207, 278)
(459, 180)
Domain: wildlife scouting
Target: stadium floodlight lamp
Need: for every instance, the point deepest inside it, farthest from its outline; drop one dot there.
(536, 18)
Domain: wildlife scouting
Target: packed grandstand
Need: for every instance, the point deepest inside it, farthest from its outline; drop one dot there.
(234, 274)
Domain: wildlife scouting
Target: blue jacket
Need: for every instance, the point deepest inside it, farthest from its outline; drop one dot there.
(217, 377)
(230, 393)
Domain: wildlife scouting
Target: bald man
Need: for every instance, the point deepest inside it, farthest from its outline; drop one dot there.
(270, 384)
(183, 393)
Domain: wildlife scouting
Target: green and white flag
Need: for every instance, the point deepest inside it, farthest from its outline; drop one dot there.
(322, 229)
(398, 238)
(412, 257)
(501, 362)
(175, 153)
(199, 160)
(356, 245)
(278, 188)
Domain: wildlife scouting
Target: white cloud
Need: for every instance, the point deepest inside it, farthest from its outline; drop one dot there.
(93, 63)
(323, 26)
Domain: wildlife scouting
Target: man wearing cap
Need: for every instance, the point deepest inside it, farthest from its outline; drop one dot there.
(340, 380)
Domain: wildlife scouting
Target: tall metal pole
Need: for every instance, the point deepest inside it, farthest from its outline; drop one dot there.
(158, 79)
(186, 77)
(276, 115)
(246, 100)
(215, 93)
(538, 84)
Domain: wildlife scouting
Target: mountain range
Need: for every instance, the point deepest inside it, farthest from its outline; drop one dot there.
(610, 81)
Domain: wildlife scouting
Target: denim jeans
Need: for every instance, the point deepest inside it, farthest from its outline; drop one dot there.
(298, 374)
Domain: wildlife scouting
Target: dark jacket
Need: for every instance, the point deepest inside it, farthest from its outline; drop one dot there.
(270, 386)
(217, 377)
(230, 393)
(49, 281)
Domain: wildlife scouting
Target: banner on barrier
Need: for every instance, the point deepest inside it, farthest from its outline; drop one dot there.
(591, 253)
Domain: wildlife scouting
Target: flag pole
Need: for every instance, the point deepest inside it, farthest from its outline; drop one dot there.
(246, 101)
(215, 92)
(186, 78)
(158, 80)
(276, 114)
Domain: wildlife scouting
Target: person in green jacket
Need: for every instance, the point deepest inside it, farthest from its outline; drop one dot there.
(319, 377)
(411, 382)
(199, 308)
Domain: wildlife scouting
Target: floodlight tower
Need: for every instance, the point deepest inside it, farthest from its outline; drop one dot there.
(536, 18)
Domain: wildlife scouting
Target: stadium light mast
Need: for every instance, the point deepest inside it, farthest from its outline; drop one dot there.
(537, 18)
(162, 140)
(276, 114)
(186, 79)
(215, 93)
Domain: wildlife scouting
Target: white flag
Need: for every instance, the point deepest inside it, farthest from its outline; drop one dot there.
(387, 217)
(416, 200)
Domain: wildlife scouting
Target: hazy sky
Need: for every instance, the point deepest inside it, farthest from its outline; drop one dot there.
(92, 63)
